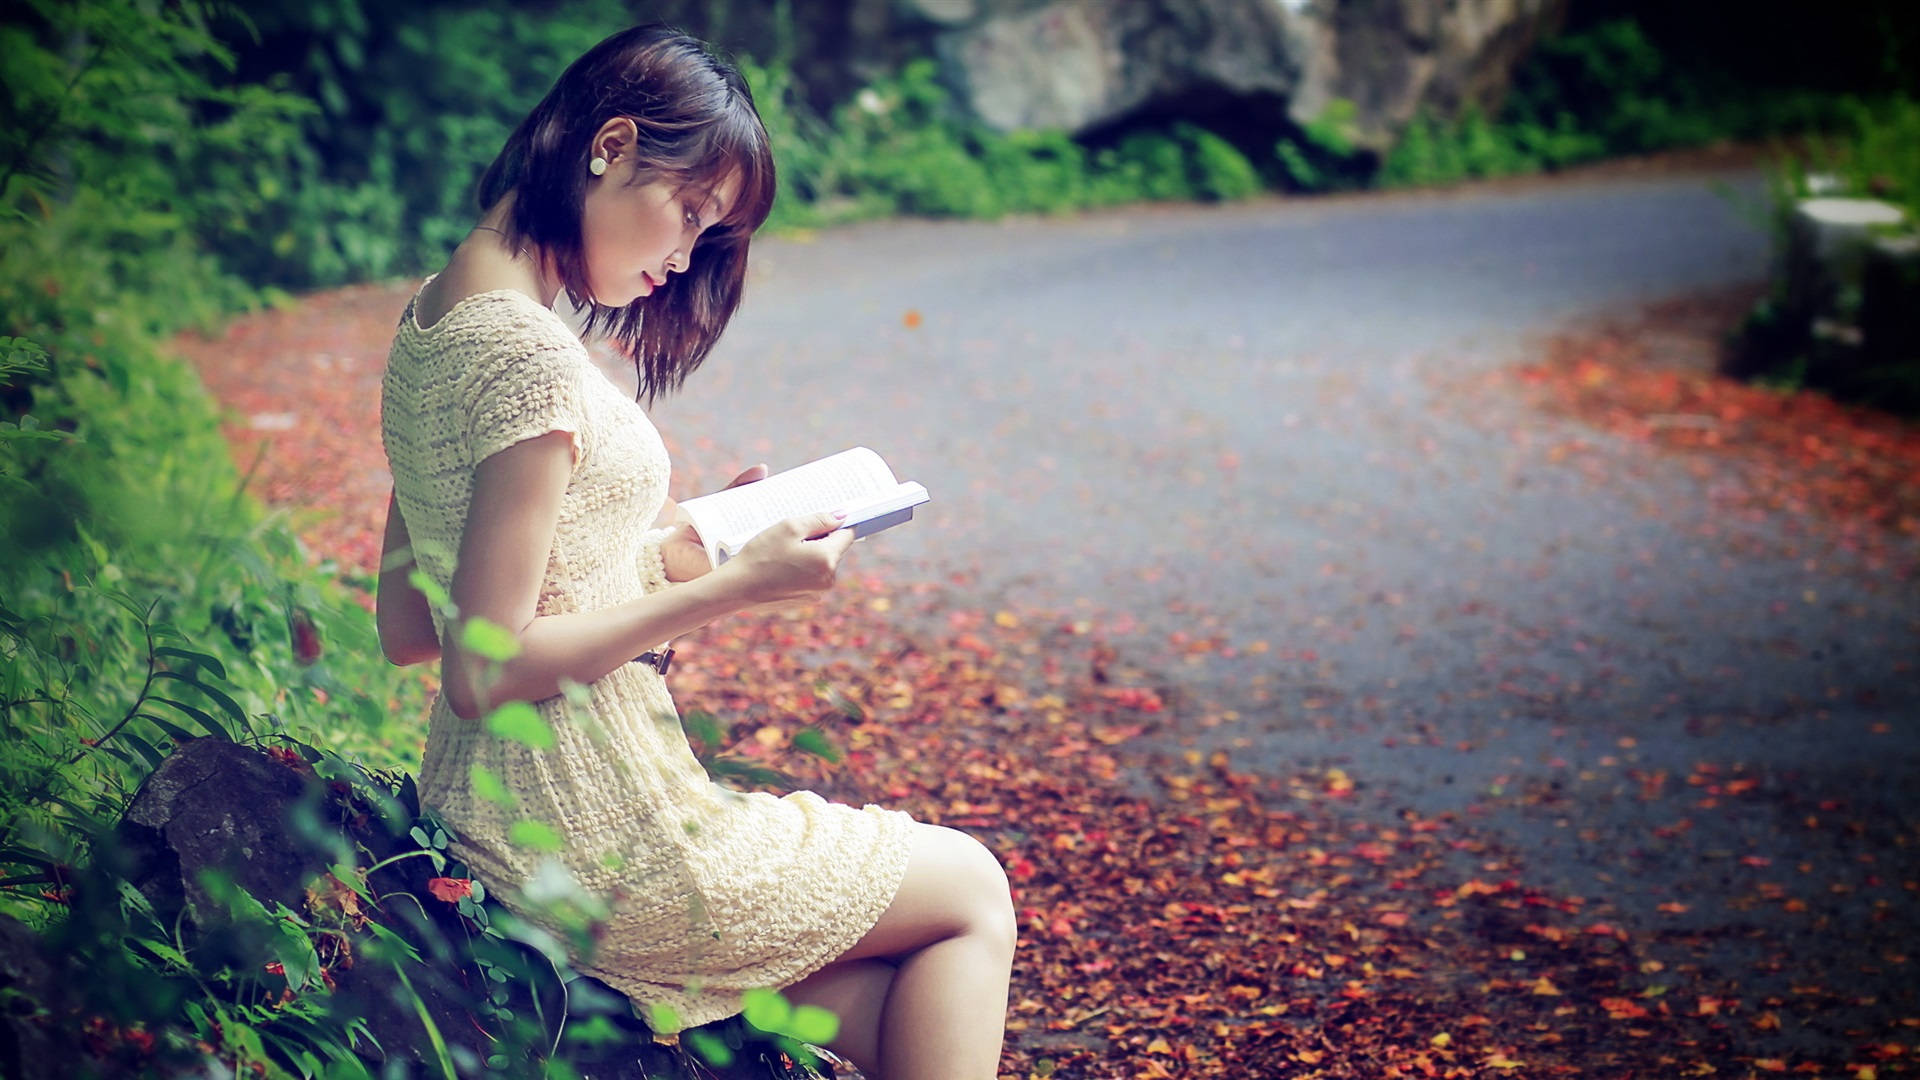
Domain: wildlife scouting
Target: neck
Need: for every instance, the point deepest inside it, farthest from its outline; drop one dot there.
(529, 260)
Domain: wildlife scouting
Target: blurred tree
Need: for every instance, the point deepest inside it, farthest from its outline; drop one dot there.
(1860, 46)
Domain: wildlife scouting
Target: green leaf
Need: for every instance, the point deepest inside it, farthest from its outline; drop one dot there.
(848, 707)
(199, 716)
(488, 640)
(711, 1050)
(196, 659)
(218, 697)
(162, 950)
(702, 728)
(132, 899)
(521, 722)
(813, 1024)
(99, 553)
(142, 747)
(400, 944)
(173, 731)
(349, 876)
(747, 772)
(766, 1009)
(537, 835)
(429, 588)
(293, 949)
(815, 742)
(488, 786)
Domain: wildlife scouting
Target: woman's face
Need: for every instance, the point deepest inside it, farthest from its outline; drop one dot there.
(635, 235)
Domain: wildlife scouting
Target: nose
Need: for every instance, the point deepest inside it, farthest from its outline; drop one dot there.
(678, 263)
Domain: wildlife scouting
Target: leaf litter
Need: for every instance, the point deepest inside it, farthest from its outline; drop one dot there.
(1181, 917)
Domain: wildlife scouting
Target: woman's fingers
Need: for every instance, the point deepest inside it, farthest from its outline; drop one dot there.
(836, 542)
(815, 526)
(753, 474)
(795, 560)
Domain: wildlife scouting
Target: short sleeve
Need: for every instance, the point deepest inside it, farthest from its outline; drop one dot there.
(653, 567)
(521, 393)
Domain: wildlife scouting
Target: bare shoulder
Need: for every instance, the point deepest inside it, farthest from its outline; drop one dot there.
(468, 273)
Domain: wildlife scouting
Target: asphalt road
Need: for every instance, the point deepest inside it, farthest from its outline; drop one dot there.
(1236, 423)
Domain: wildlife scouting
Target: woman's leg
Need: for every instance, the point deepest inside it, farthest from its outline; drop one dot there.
(856, 992)
(924, 994)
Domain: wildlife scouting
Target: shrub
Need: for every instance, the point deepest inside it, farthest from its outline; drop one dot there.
(1216, 169)
(408, 104)
(142, 594)
(1327, 154)
(1427, 154)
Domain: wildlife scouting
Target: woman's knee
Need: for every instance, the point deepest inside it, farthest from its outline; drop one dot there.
(954, 886)
(979, 887)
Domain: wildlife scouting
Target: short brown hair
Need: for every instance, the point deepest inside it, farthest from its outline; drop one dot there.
(697, 125)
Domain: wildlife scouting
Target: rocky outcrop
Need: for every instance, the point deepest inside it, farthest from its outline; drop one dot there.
(1081, 65)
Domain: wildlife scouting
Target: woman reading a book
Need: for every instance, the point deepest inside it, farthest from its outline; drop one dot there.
(532, 492)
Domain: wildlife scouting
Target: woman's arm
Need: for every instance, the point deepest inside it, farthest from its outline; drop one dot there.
(685, 558)
(400, 611)
(504, 548)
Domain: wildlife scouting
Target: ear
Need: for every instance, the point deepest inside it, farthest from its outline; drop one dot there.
(616, 139)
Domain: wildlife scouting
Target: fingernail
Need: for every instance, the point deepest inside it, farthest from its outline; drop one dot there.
(839, 515)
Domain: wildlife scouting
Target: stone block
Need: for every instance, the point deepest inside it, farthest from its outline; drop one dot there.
(1827, 242)
(1890, 300)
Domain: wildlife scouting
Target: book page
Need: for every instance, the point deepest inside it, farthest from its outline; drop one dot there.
(733, 516)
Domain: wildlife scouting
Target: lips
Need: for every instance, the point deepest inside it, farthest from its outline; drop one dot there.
(652, 282)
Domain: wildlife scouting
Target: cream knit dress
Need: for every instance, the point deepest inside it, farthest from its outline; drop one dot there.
(712, 891)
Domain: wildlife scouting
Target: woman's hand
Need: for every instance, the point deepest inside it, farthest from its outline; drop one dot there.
(683, 553)
(794, 561)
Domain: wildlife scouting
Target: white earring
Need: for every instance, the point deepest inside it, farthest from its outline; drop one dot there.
(598, 166)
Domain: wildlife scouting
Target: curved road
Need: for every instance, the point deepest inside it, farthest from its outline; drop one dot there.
(1236, 423)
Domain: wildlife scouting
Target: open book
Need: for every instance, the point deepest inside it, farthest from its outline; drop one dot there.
(855, 480)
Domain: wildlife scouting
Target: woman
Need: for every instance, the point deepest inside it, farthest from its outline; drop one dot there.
(532, 491)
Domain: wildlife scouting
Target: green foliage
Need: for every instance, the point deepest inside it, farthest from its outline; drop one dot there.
(1603, 91)
(1432, 153)
(1612, 82)
(1216, 170)
(1327, 156)
(408, 104)
(147, 598)
(1877, 155)
(800, 140)
(901, 146)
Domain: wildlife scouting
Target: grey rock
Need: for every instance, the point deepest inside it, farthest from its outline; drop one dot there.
(1081, 64)
(939, 12)
(218, 805)
(1890, 299)
(34, 1042)
(1823, 268)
